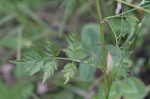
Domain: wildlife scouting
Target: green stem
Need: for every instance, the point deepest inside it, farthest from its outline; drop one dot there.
(99, 9)
(99, 12)
(102, 32)
(73, 60)
(106, 80)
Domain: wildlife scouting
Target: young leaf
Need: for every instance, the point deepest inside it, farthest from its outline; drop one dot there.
(70, 70)
(49, 68)
(109, 62)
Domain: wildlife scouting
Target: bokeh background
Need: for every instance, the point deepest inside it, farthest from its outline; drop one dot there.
(26, 23)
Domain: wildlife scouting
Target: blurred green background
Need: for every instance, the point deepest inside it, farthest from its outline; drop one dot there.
(27, 23)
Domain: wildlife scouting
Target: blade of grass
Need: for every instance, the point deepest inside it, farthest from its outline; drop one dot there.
(134, 6)
(32, 15)
(19, 45)
(7, 19)
(126, 12)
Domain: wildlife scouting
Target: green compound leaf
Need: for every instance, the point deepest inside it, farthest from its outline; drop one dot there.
(33, 62)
